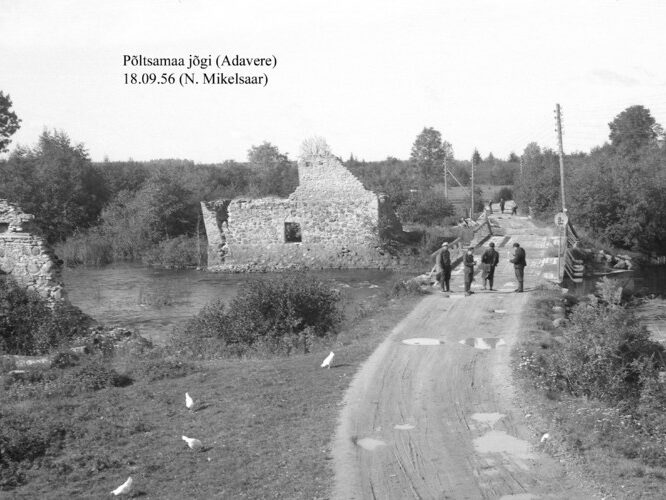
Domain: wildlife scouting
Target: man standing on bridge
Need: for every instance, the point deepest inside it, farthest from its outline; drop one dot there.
(519, 264)
(489, 261)
(444, 266)
(468, 261)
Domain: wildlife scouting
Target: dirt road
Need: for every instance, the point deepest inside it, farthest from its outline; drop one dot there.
(431, 413)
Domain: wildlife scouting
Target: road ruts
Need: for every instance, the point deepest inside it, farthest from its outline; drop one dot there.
(438, 421)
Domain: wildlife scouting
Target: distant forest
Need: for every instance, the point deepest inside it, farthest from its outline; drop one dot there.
(100, 212)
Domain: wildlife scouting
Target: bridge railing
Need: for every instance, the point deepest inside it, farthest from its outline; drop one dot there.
(573, 267)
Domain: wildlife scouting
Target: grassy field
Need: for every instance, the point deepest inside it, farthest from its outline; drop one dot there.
(265, 425)
(599, 442)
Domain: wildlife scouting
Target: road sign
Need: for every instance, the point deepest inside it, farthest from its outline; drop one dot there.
(561, 219)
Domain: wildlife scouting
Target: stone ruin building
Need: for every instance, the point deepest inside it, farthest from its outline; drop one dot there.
(26, 257)
(329, 221)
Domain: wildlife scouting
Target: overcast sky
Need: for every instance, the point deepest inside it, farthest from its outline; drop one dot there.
(368, 76)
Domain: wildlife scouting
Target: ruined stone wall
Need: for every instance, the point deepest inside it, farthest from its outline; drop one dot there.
(26, 257)
(337, 217)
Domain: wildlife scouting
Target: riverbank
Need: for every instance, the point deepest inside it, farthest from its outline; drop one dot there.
(265, 424)
(607, 445)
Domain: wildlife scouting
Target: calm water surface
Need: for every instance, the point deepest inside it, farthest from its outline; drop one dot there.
(154, 301)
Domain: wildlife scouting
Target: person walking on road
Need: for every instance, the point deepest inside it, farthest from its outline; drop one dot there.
(502, 205)
(489, 261)
(519, 264)
(444, 267)
(468, 261)
(514, 210)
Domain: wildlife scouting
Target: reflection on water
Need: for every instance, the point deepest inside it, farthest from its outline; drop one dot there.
(154, 301)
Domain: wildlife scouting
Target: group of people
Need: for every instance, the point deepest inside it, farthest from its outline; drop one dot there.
(514, 209)
(489, 261)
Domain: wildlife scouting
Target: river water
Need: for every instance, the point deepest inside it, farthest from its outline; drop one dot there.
(154, 301)
(650, 283)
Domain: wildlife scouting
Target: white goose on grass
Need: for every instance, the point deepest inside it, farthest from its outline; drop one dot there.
(327, 362)
(193, 443)
(189, 402)
(123, 488)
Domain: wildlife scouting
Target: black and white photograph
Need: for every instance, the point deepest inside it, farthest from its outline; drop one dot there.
(372, 249)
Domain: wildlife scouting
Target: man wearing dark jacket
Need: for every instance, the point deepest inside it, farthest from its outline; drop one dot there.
(444, 266)
(489, 261)
(468, 262)
(519, 264)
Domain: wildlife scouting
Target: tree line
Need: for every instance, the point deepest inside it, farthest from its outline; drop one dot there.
(615, 192)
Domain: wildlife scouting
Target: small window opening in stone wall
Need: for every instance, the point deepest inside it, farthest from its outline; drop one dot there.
(292, 232)
(4, 227)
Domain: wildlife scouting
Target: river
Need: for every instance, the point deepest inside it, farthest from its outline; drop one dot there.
(154, 301)
(650, 283)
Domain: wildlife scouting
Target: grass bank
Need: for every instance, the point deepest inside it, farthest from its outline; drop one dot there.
(265, 424)
(605, 418)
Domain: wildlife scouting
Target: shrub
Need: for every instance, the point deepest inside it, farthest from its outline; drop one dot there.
(24, 439)
(425, 207)
(180, 252)
(92, 375)
(28, 326)
(277, 315)
(158, 367)
(604, 353)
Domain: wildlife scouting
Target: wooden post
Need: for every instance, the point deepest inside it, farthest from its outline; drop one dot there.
(471, 210)
(561, 153)
(446, 179)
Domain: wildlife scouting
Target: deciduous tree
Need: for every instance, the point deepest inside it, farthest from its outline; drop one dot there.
(429, 151)
(9, 122)
(633, 129)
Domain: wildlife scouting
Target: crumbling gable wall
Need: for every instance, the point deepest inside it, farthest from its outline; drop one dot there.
(26, 257)
(329, 221)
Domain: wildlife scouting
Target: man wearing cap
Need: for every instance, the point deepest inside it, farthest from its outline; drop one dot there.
(468, 262)
(444, 266)
(519, 264)
(489, 261)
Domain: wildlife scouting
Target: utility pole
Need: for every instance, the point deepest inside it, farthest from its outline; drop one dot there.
(446, 179)
(558, 115)
(471, 210)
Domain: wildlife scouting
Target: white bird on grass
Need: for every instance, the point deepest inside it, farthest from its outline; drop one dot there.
(189, 402)
(328, 360)
(123, 488)
(193, 443)
(545, 437)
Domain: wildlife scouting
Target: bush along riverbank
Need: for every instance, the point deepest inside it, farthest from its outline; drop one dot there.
(97, 249)
(79, 425)
(596, 382)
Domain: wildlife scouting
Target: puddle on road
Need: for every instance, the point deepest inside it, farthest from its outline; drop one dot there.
(500, 442)
(519, 496)
(422, 341)
(403, 427)
(370, 444)
(488, 418)
(483, 343)
(510, 284)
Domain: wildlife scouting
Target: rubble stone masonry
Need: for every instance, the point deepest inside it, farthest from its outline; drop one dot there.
(26, 257)
(329, 221)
